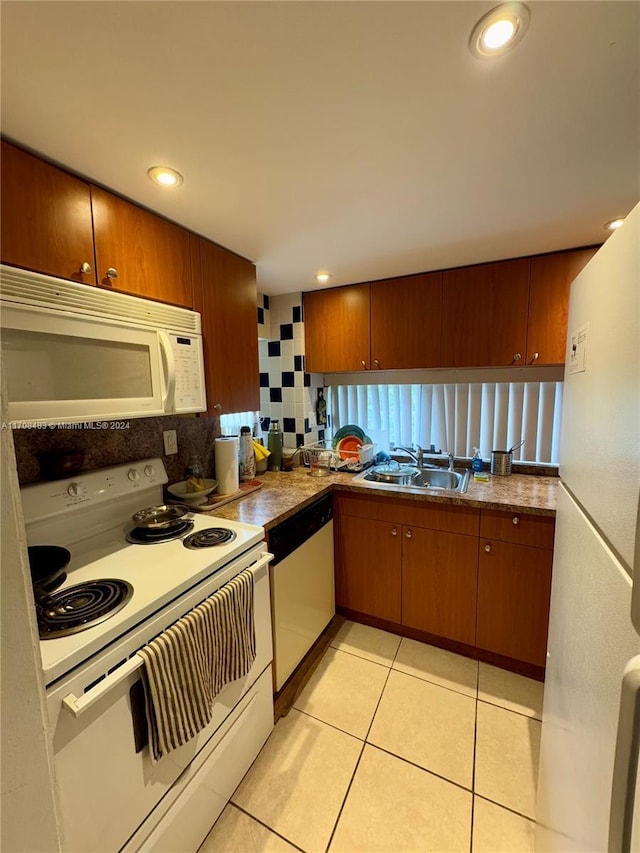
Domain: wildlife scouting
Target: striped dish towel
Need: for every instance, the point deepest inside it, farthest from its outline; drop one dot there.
(189, 664)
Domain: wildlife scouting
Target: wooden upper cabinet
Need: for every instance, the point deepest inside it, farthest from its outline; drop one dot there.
(405, 322)
(551, 277)
(337, 332)
(150, 256)
(225, 294)
(46, 218)
(484, 315)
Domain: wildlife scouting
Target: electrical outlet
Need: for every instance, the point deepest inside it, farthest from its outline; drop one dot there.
(170, 438)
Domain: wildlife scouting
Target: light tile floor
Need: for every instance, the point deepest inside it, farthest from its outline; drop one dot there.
(393, 746)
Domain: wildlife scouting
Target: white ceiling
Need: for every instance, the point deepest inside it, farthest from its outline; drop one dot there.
(358, 137)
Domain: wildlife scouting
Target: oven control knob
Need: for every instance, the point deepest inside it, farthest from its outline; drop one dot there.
(76, 490)
(149, 471)
(133, 475)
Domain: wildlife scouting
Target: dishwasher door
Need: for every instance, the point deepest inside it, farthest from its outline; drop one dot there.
(302, 601)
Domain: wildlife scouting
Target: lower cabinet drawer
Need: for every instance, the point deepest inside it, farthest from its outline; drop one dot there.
(517, 527)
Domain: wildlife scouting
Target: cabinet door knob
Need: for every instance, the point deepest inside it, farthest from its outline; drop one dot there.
(487, 548)
(376, 362)
(408, 534)
(394, 532)
(112, 273)
(517, 356)
(85, 268)
(534, 357)
(516, 520)
(217, 407)
(364, 364)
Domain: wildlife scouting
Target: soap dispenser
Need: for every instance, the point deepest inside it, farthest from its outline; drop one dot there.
(477, 464)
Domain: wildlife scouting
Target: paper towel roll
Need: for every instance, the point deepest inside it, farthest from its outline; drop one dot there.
(226, 455)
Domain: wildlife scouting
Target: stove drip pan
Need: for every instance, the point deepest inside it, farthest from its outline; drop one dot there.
(148, 536)
(209, 538)
(81, 606)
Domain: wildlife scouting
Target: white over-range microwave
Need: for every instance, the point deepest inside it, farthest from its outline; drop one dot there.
(73, 352)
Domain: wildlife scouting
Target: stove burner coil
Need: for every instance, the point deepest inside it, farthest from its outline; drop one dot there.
(209, 538)
(81, 606)
(149, 536)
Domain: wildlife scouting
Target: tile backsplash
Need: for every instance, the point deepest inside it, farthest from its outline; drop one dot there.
(142, 438)
(287, 392)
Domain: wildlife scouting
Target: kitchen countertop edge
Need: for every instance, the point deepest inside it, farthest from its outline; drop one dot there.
(284, 494)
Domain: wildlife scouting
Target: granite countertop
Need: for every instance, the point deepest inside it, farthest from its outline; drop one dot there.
(283, 494)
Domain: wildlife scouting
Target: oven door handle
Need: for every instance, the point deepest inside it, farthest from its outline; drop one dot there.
(78, 706)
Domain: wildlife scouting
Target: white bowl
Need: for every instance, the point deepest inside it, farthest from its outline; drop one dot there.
(179, 490)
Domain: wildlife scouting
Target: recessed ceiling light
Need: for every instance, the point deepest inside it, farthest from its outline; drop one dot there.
(499, 30)
(165, 177)
(323, 277)
(614, 224)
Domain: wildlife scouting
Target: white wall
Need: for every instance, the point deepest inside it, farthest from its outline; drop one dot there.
(28, 808)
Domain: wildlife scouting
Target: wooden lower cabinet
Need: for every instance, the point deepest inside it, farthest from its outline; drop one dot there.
(514, 590)
(368, 566)
(439, 583)
(479, 581)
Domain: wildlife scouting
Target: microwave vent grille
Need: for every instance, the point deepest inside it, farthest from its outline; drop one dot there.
(29, 288)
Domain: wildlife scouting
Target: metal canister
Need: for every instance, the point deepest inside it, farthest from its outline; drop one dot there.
(501, 462)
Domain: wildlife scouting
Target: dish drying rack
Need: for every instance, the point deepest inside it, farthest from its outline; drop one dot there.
(321, 455)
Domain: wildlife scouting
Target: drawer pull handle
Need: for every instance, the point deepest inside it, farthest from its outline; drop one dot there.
(487, 548)
(516, 520)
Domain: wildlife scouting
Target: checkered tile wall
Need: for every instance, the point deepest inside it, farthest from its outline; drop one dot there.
(287, 392)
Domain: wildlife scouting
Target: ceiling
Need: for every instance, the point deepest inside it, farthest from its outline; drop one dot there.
(358, 137)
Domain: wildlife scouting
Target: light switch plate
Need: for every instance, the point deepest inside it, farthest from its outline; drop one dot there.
(170, 438)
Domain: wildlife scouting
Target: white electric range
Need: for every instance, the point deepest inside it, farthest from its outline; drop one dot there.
(93, 674)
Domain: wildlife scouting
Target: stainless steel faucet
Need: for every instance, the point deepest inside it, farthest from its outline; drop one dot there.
(417, 455)
(450, 457)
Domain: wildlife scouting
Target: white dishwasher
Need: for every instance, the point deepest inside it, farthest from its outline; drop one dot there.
(302, 584)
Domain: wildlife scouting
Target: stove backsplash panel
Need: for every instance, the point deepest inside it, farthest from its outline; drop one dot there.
(120, 442)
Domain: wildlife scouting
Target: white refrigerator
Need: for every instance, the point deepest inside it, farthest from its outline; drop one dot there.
(588, 780)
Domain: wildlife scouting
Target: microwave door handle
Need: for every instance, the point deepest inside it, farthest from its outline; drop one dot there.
(169, 368)
(625, 768)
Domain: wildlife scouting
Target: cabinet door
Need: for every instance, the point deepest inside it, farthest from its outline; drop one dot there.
(336, 329)
(551, 277)
(484, 315)
(225, 293)
(46, 218)
(439, 583)
(149, 254)
(514, 588)
(368, 574)
(405, 322)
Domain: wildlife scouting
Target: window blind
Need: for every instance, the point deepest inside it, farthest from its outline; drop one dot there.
(458, 417)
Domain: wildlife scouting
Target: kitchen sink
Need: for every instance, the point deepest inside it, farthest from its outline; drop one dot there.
(441, 479)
